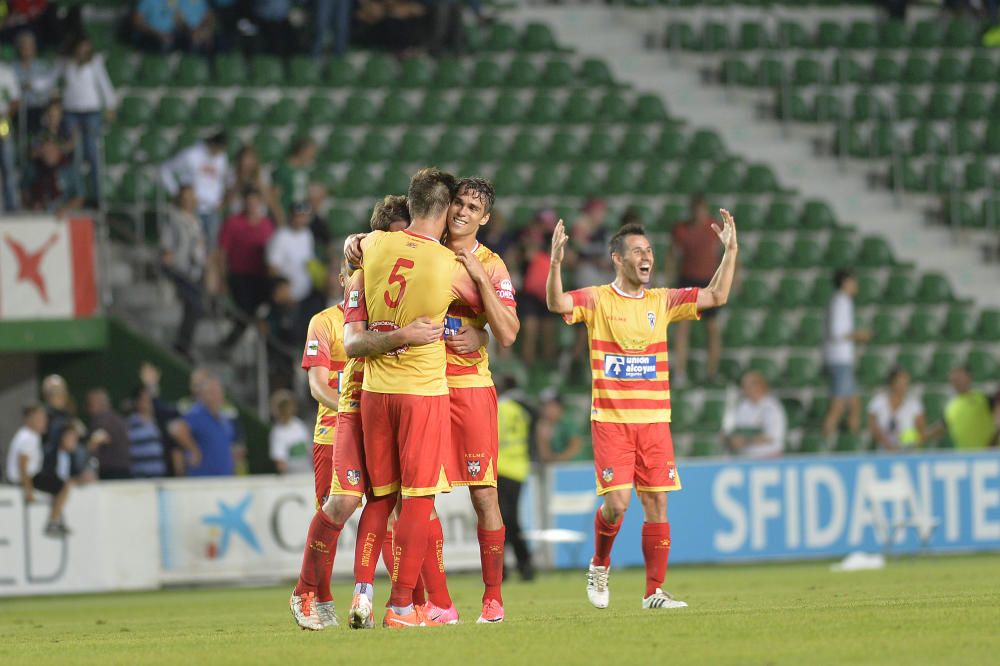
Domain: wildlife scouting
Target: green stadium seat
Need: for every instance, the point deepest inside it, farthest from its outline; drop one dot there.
(521, 73)
(507, 109)
(379, 71)
(774, 331)
(487, 74)
(269, 147)
(715, 37)
(705, 448)
(649, 109)
(557, 73)
(437, 110)
(579, 107)
(933, 288)
(875, 252)
(395, 178)
(926, 34)
(538, 37)
(135, 111)
(812, 443)
(246, 111)
(283, 112)
(988, 326)
(846, 69)
(210, 112)
(526, 147)
(922, 327)
(656, 179)
(187, 137)
(736, 71)
(958, 324)
(765, 366)
(872, 369)
(724, 178)
(416, 72)
(800, 371)
(974, 105)
(791, 35)
(961, 32)
(710, 417)
(449, 73)
(885, 69)
(229, 70)
(117, 146)
(563, 147)
(154, 71)
(451, 147)
(705, 144)
(949, 69)
(869, 290)
(680, 35)
(595, 73)
(395, 110)
(613, 108)
(359, 182)
(866, 106)
(342, 221)
(892, 35)
(620, 179)
(977, 175)
(982, 365)
(600, 145)
(752, 36)
(829, 35)
(738, 331)
(377, 147)
(885, 329)
(966, 139)
(582, 181)
(817, 409)
(546, 181)
(502, 37)
(941, 106)
(769, 254)
(319, 110)
(544, 110)
(154, 147)
(942, 361)
(135, 186)
(910, 361)
(191, 71)
(991, 139)
(907, 106)
(689, 179)
(840, 252)
(673, 213)
(490, 146)
(303, 72)
(807, 72)
(849, 442)
(340, 73)
(980, 69)
(748, 215)
(267, 71)
(672, 144)
(806, 253)
(122, 71)
(816, 214)
(760, 179)
(934, 406)
(341, 146)
(924, 140)
(793, 106)
(792, 292)
(900, 289)
(729, 367)
(850, 141)
(172, 111)
(862, 35)
(358, 109)
(822, 291)
(770, 72)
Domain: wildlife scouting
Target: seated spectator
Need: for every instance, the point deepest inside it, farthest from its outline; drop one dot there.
(61, 469)
(291, 178)
(896, 418)
(290, 439)
(215, 434)
(558, 438)
(968, 416)
(56, 184)
(248, 172)
(10, 94)
(164, 25)
(24, 468)
(242, 253)
(37, 79)
(184, 257)
(113, 456)
(147, 448)
(205, 167)
(755, 427)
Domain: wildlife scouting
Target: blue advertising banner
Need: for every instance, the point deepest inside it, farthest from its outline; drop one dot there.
(804, 507)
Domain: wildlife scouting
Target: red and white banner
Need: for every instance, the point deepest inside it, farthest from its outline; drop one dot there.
(47, 268)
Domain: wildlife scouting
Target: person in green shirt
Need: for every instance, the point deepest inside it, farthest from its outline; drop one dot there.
(291, 179)
(558, 438)
(513, 467)
(968, 416)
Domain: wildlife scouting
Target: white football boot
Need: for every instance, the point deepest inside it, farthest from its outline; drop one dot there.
(597, 586)
(661, 599)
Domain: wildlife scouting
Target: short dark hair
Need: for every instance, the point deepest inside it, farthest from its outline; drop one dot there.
(299, 143)
(388, 210)
(698, 199)
(137, 393)
(251, 190)
(218, 139)
(482, 188)
(30, 409)
(841, 276)
(431, 191)
(278, 282)
(617, 243)
(894, 372)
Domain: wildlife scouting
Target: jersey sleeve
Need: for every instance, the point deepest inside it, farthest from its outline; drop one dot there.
(355, 306)
(584, 303)
(464, 289)
(318, 342)
(682, 304)
(502, 284)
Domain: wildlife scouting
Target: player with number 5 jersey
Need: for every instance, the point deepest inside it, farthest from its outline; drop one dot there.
(630, 405)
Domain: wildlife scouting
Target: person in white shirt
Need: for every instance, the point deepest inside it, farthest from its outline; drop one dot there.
(205, 167)
(291, 249)
(10, 95)
(896, 418)
(838, 354)
(290, 440)
(87, 94)
(26, 468)
(755, 426)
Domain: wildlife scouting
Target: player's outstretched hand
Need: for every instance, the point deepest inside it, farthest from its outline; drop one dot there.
(422, 331)
(727, 234)
(465, 341)
(559, 239)
(472, 264)
(352, 249)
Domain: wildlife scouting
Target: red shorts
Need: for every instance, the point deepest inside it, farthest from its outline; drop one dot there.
(634, 453)
(407, 438)
(473, 459)
(349, 476)
(322, 471)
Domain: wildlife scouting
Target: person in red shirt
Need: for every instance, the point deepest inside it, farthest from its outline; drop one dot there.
(242, 245)
(536, 321)
(696, 256)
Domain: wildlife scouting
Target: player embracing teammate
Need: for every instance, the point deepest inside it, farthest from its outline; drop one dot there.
(630, 410)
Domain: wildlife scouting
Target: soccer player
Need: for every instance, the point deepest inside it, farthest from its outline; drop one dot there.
(404, 400)
(630, 409)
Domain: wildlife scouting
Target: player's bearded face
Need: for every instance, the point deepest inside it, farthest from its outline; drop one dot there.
(636, 260)
(466, 215)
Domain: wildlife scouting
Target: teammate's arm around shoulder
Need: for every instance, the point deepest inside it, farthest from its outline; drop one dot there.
(360, 342)
(557, 300)
(717, 292)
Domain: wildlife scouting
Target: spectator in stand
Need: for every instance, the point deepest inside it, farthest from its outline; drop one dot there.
(838, 352)
(289, 255)
(51, 23)
(279, 320)
(447, 29)
(590, 244)
(755, 426)
(558, 438)
(968, 416)
(10, 94)
(183, 257)
(247, 172)
(215, 433)
(56, 184)
(290, 440)
(87, 96)
(24, 468)
(536, 321)
(291, 179)
(163, 25)
(275, 33)
(179, 442)
(61, 469)
(896, 418)
(146, 440)
(114, 456)
(332, 16)
(242, 245)
(322, 239)
(228, 16)
(205, 167)
(399, 25)
(513, 468)
(37, 79)
(695, 256)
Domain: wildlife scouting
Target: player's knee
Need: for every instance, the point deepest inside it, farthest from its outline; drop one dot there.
(615, 504)
(340, 508)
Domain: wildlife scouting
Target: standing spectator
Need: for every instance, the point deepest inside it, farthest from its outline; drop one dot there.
(56, 184)
(247, 172)
(242, 245)
(275, 33)
(36, 79)
(278, 319)
(178, 440)
(332, 16)
(896, 418)
(696, 255)
(513, 467)
(184, 253)
(968, 416)
(205, 167)
(447, 30)
(536, 321)
(147, 448)
(215, 433)
(289, 253)
(290, 440)
(755, 427)
(51, 23)
(558, 438)
(87, 94)
(10, 95)
(590, 243)
(291, 179)
(322, 239)
(24, 468)
(114, 456)
(838, 352)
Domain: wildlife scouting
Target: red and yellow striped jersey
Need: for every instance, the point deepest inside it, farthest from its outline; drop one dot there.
(325, 348)
(473, 370)
(628, 349)
(407, 276)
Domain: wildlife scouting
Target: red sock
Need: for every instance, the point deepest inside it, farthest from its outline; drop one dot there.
(321, 546)
(655, 550)
(388, 554)
(434, 577)
(604, 538)
(371, 537)
(491, 557)
(410, 544)
(419, 592)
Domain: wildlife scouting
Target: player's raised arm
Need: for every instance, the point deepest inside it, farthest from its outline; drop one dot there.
(501, 316)
(717, 292)
(557, 300)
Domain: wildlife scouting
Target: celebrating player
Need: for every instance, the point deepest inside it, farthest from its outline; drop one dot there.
(630, 410)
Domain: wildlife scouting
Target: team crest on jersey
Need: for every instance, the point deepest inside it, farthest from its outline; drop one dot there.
(474, 466)
(671, 474)
(608, 474)
(353, 476)
(651, 316)
(312, 348)
(323, 430)
(353, 298)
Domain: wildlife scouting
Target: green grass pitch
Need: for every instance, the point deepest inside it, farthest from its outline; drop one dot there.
(917, 611)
